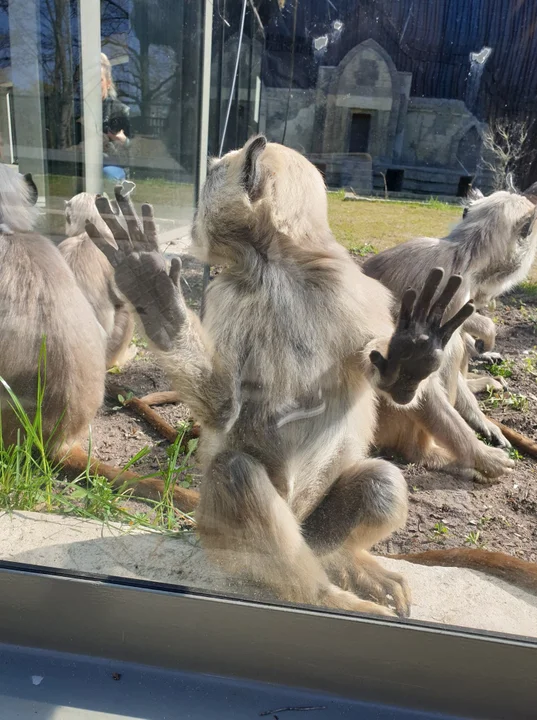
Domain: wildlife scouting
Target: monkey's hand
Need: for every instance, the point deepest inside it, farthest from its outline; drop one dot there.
(416, 347)
(140, 270)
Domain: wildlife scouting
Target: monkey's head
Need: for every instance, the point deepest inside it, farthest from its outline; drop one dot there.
(80, 208)
(499, 235)
(252, 194)
(18, 196)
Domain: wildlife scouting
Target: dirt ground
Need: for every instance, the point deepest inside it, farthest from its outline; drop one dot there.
(445, 511)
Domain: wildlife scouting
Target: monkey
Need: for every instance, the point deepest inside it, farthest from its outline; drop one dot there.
(517, 264)
(283, 375)
(95, 276)
(42, 305)
(493, 248)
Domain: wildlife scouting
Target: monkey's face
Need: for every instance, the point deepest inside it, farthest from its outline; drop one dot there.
(249, 193)
(501, 232)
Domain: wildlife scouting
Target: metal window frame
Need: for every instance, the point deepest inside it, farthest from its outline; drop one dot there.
(405, 664)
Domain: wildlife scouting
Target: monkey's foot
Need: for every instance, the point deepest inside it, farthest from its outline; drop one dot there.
(335, 597)
(360, 573)
(496, 436)
(491, 463)
(490, 357)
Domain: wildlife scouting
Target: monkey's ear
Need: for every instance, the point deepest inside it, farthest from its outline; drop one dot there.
(251, 172)
(34, 194)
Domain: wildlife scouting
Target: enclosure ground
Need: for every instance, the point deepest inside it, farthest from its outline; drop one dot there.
(445, 511)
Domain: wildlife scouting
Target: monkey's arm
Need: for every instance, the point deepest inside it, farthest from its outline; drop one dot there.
(198, 374)
(415, 350)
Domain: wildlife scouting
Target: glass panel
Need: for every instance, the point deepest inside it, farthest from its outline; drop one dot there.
(401, 139)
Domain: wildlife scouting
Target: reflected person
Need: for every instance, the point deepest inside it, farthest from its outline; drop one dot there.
(116, 127)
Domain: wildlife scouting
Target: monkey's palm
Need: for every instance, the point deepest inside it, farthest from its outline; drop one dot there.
(416, 347)
(140, 270)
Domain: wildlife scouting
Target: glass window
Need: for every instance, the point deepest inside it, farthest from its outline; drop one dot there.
(325, 421)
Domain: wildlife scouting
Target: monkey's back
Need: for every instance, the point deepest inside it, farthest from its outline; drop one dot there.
(94, 275)
(300, 414)
(40, 298)
(408, 264)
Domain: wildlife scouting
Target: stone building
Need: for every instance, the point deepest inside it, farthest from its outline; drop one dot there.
(361, 126)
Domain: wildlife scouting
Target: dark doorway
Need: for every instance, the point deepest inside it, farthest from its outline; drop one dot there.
(394, 180)
(360, 127)
(465, 183)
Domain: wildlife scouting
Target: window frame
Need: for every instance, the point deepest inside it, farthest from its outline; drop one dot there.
(407, 664)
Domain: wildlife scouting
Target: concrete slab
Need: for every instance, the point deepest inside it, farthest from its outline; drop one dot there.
(455, 596)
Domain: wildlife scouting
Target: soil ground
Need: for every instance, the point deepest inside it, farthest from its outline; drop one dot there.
(445, 511)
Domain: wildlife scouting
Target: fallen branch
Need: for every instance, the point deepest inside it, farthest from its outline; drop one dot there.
(143, 410)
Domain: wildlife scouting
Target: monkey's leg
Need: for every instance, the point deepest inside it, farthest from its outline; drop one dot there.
(365, 505)
(444, 424)
(481, 383)
(468, 407)
(248, 529)
(77, 461)
(117, 351)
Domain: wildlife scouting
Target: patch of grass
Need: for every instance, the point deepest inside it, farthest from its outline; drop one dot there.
(502, 369)
(386, 223)
(440, 530)
(500, 398)
(363, 250)
(529, 288)
(30, 481)
(474, 538)
(139, 342)
(515, 455)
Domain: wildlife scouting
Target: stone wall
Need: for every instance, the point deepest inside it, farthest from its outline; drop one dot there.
(438, 132)
(300, 119)
(434, 146)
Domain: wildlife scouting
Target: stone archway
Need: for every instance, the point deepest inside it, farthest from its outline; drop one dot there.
(366, 81)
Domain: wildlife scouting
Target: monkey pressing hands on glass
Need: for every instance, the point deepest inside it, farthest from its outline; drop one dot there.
(53, 348)
(283, 376)
(493, 248)
(95, 277)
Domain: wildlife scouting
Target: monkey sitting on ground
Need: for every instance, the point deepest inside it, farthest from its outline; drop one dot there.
(95, 276)
(516, 261)
(493, 248)
(41, 301)
(283, 375)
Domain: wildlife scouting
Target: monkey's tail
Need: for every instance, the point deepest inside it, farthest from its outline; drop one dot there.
(518, 572)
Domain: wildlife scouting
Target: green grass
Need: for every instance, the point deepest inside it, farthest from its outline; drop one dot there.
(382, 224)
(30, 481)
(502, 369)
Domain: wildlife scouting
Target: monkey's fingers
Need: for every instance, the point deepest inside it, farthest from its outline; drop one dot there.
(379, 361)
(150, 231)
(111, 253)
(115, 227)
(175, 272)
(134, 225)
(447, 330)
(446, 296)
(405, 314)
(421, 308)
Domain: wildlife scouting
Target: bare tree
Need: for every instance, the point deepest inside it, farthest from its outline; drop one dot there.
(508, 150)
